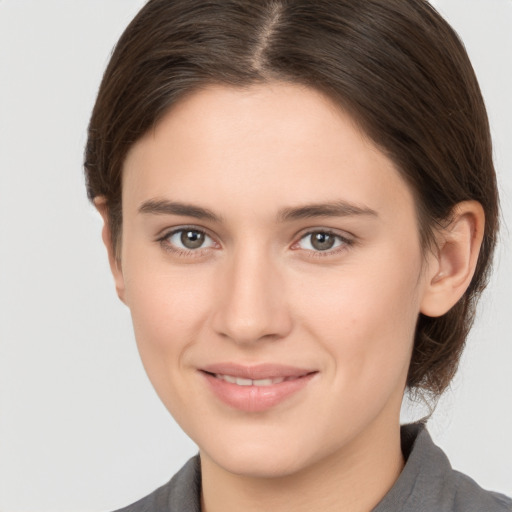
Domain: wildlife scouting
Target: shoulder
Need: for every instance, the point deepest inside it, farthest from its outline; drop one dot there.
(457, 492)
(429, 484)
(180, 494)
(470, 497)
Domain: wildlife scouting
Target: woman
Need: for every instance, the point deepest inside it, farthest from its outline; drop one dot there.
(300, 211)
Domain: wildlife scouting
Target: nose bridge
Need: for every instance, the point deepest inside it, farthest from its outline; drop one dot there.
(252, 302)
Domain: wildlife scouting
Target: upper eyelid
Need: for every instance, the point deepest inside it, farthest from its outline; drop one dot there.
(344, 235)
(166, 232)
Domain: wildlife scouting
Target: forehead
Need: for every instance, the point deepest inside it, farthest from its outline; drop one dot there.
(288, 143)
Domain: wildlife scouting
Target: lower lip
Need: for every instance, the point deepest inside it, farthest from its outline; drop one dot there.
(255, 398)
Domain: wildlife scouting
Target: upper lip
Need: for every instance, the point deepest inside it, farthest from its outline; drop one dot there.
(257, 371)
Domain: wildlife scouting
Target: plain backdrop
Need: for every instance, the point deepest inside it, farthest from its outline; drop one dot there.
(80, 426)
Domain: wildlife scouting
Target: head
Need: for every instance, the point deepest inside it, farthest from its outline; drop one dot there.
(394, 71)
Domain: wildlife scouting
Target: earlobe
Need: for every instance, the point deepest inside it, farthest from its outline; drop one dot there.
(114, 261)
(452, 265)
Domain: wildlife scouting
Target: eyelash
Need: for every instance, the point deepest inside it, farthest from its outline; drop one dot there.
(183, 252)
(165, 243)
(343, 246)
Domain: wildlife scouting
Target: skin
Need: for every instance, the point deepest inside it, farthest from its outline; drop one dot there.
(259, 291)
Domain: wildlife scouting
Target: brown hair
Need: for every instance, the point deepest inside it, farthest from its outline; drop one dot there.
(395, 65)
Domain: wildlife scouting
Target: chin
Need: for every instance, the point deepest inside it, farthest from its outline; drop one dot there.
(259, 465)
(262, 458)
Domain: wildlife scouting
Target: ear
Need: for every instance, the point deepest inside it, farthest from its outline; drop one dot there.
(113, 259)
(453, 262)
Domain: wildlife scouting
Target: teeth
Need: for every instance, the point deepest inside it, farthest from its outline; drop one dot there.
(243, 382)
(263, 382)
(239, 381)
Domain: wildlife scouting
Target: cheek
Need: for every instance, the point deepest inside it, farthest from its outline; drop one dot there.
(168, 307)
(365, 316)
(168, 311)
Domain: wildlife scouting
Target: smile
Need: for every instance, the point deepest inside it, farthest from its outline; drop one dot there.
(255, 388)
(240, 381)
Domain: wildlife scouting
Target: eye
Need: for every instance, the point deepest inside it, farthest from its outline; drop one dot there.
(321, 241)
(188, 239)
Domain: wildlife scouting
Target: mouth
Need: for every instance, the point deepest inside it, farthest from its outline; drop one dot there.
(255, 388)
(240, 381)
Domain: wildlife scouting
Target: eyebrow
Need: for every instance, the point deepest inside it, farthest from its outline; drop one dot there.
(164, 207)
(330, 209)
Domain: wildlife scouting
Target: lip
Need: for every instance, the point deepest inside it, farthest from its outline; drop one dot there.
(256, 398)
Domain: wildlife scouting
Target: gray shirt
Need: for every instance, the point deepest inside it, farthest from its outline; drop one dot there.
(427, 484)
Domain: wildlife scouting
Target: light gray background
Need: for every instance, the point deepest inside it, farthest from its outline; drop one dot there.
(80, 426)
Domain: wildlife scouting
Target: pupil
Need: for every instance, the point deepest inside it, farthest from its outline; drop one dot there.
(322, 241)
(192, 239)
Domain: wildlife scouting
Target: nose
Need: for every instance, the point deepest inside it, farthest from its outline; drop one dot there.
(251, 304)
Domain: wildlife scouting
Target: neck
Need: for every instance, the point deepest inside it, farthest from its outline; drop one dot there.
(353, 479)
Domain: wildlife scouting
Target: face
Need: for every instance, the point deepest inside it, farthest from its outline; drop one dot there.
(272, 265)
